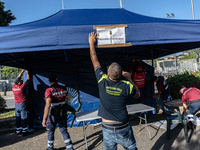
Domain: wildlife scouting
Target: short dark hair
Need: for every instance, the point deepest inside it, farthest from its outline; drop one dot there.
(180, 87)
(17, 79)
(53, 78)
(153, 79)
(115, 71)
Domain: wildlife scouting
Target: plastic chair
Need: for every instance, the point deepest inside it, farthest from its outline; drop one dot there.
(172, 117)
(73, 93)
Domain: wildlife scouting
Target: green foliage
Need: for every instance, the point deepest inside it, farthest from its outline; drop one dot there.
(197, 73)
(191, 54)
(187, 79)
(2, 104)
(9, 72)
(5, 15)
(7, 114)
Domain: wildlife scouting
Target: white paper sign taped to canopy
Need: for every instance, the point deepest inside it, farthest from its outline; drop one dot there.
(111, 36)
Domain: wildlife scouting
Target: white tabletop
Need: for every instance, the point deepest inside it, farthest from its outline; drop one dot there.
(136, 108)
(92, 114)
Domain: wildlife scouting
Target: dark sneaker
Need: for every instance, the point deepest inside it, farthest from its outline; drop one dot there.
(30, 130)
(190, 125)
(25, 133)
(19, 133)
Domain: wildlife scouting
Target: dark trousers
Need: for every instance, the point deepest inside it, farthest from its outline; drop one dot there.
(21, 117)
(194, 107)
(29, 115)
(164, 95)
(51, 125)
(141, 99)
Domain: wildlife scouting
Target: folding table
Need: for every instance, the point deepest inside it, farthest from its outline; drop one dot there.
(132, 109)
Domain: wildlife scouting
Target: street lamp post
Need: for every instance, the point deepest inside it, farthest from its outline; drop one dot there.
(196, 50)
(192, 9)
(121, 4)
(172, 16)
(63, 5)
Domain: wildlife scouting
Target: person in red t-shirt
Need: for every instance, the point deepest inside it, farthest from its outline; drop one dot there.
(20, 95)
(190, 99)
(54, 112)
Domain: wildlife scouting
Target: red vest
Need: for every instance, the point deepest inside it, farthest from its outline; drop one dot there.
(58, 95)
(138, 75)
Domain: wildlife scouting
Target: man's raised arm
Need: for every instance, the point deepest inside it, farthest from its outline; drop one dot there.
(127, 76)
(20, 74)
(92, 41)
(28, 77)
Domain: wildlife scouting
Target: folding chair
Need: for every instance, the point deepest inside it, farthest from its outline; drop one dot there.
(172, 117)
(73, 93)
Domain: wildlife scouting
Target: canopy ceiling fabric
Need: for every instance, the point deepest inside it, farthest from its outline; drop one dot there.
(69, 29)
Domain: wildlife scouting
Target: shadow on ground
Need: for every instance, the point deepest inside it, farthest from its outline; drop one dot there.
(12, 137)
(96, 137)
(163, 143)
(160, 142)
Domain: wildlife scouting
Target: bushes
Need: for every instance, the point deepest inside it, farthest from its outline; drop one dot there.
(2, 104)
(186, 79)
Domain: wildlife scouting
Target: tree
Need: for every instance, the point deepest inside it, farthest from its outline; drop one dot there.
(5, 18)
(191, 54)
(8, 73)
(5, 15)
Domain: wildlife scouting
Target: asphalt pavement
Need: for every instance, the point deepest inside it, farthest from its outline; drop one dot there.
(10, 101)
(38, 139)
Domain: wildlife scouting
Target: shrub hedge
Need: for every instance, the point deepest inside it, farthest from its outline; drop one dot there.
(2, 103)
(187, 79)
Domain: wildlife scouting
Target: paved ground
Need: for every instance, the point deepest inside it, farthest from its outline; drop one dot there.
(38, 139)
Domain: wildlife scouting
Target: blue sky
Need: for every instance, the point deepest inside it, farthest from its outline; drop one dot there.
(32, 10)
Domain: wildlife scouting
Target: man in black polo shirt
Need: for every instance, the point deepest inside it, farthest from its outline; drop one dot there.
(113, 94)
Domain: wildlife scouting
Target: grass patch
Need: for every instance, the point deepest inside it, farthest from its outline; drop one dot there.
(7, 114)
